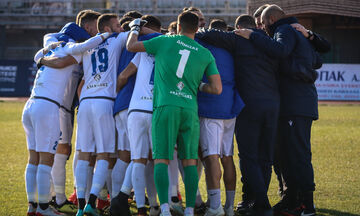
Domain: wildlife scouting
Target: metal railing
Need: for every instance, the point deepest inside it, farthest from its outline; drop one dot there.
(54, 8)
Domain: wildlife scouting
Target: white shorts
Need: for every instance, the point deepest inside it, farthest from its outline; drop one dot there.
(121, 121)
(217, 136)
(96, 126)
(40, 120)
(66, 126)
(139, 127)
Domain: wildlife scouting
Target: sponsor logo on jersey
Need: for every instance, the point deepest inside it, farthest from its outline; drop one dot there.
(96, 85)
(180, 85)
(97, 77)
(181, 94)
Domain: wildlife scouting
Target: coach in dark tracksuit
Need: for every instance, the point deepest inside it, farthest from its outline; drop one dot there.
(298, 104)
(256, 81)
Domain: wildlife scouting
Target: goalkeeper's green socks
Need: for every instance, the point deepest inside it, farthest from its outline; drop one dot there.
(191, 181)
(161, 177)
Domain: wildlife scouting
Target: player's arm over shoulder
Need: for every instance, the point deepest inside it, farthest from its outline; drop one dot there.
(58, 62)
(214, 86)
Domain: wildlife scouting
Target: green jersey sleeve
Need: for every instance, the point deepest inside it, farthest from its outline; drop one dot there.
(211, 69)
(153, 45)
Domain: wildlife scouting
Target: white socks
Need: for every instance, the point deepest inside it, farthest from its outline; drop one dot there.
(127, 185)
(165, 207)
(173, 176)
(30, 182)
(89, 179)
(230, 196)
(109, 183)
(215, 198)
(150, 184)
(43, 177)
(189, 211)
(81, 173)
(138, 182)
(58, 173)
(75, 159)
(117, 176)
(100, 176)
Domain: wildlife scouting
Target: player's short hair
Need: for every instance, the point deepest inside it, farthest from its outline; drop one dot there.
(124, 19)
(273, 10)
(152, 21)
(218, 24)
(88, 16)
(79, 15)
(104, 20)
(260, 9)
(188, 21)
(172, 26)
(245, 21)
(193, 9)
(125, 26)
(134, 14)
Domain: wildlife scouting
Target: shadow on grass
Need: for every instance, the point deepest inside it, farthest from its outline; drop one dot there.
(330, 212)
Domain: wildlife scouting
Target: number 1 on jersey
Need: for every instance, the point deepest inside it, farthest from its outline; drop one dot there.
(183, 60)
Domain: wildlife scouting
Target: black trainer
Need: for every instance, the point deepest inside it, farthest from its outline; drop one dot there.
(142, 211)
(119, 205)
(308, 212)
(259, 212)
(244, 207)
(201, 209)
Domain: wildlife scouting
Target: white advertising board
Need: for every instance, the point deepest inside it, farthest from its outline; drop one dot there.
(338, 82)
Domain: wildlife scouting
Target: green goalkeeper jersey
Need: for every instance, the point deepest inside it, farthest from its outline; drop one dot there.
(180, 63)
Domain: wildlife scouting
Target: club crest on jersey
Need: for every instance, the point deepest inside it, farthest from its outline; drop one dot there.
(180, 85)
(97, 77)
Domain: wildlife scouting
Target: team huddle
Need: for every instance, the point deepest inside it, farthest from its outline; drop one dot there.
(154, 103)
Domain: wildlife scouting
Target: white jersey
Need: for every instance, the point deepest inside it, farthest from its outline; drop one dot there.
(51, 82)
(100, 66)
(71, 87)
(142, 97)
(72, 79)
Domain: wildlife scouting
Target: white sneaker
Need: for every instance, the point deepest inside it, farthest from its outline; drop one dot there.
(50, 211)
(176, 208)
(229, 211)
(215, 212)
(189, 212)
(165, 213)
(154, 211)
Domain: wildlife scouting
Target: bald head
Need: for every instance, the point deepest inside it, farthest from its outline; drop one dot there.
(270, 15)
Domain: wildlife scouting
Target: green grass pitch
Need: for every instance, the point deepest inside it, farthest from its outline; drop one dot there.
(335, 147)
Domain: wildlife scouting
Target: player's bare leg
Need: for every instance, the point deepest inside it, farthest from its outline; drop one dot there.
(229, 178)
(213, 176)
